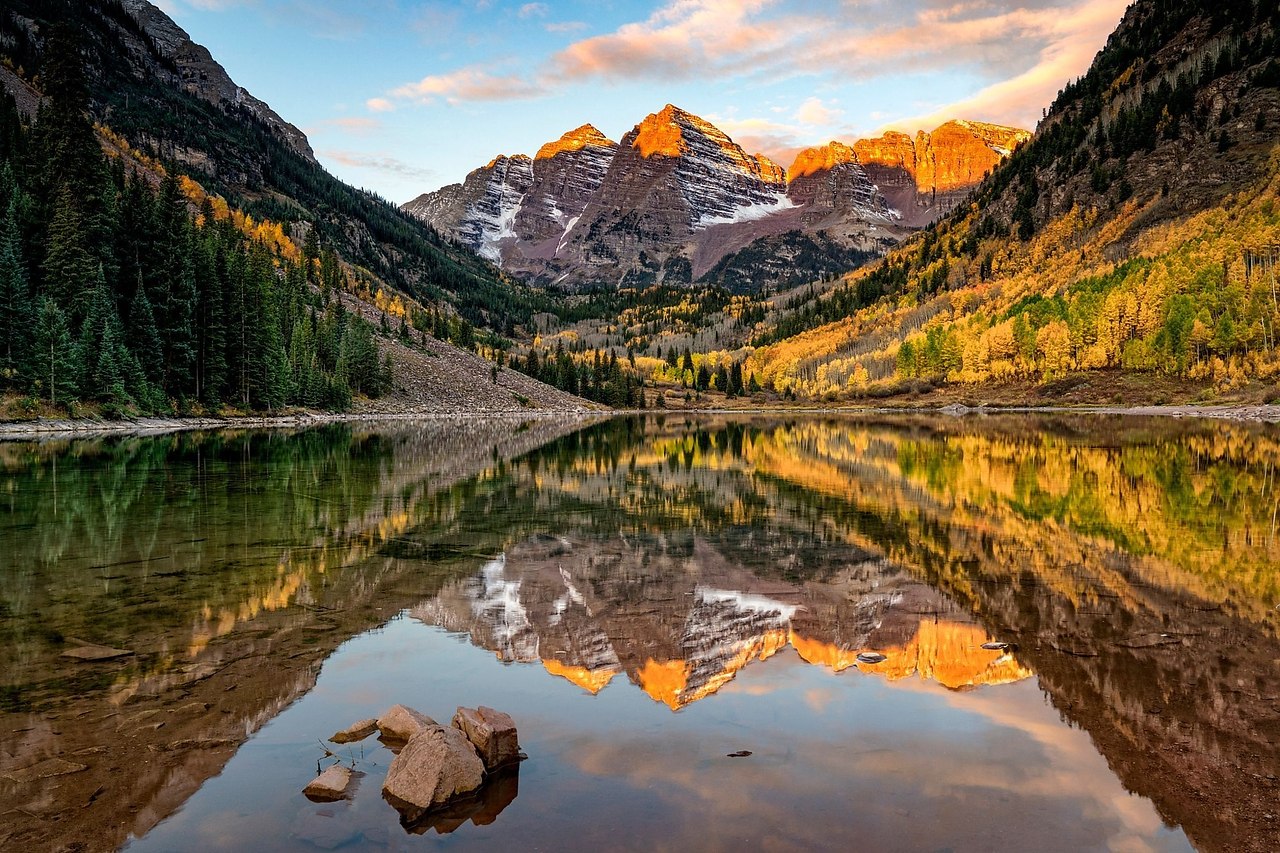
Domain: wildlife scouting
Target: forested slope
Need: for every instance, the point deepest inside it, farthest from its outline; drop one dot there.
(1137, 231)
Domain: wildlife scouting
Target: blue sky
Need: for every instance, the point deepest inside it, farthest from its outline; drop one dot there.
(403, 96)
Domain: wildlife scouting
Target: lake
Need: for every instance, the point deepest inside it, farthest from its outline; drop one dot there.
(930, 633)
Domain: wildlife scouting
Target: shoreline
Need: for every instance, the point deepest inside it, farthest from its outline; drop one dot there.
(47, 428)
(54, 428)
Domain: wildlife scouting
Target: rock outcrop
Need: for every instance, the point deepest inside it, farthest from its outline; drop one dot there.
(925, 177)
(677, 196)
(201, 75)
(400, 723)
(437, 765)
(491, 732)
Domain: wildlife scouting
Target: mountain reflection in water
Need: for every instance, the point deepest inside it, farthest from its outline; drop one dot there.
(681, 627)
(731, 569)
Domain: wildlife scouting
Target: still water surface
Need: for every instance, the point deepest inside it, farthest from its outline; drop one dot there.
(645, 597)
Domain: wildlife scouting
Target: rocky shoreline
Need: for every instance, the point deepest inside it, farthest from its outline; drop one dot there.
(55, 428)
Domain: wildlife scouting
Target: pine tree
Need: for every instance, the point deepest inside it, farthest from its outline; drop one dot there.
(69, 266)
(52, 364)
(172, 289)
(15, 300)
(144, 337)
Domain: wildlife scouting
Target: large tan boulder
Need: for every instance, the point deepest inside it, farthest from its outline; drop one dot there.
(435, 766)
(400, 723)
(491, 732)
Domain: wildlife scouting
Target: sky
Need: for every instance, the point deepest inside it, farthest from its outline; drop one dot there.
(404, 96)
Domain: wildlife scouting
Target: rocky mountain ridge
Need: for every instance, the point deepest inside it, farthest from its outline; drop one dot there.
(677, 197)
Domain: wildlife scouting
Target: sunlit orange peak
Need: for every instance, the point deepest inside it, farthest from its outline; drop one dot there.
(575, 140)
(590, 680)
(660, 134)
(821, 159)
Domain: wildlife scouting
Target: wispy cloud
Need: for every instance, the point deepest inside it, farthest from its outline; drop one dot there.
(354, 125)
(378, 163)
(814, 112)
(1020, 51)
(472, 83)
(565, 26)
(533, 10)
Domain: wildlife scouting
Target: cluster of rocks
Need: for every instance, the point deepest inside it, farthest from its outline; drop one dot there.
(435, 765)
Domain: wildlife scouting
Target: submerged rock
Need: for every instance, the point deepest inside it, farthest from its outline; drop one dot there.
(491, 732)
(46, 769)
(91, 652)
(435, 766)
(871, 657)
(356, 731)
(400, 723)
(330, 785)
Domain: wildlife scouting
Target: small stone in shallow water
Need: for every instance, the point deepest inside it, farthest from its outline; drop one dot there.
(742, 753)
(330, 785)
(994, 646)
(871, 657)
(355, 732)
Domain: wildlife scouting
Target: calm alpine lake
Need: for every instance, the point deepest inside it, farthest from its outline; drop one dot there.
(929, 633)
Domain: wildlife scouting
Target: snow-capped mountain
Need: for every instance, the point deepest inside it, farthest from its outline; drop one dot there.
(678, 201)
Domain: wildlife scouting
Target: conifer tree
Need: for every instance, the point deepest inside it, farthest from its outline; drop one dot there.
(144, 337)
(52, 359)
(69, 267)
(15, 300)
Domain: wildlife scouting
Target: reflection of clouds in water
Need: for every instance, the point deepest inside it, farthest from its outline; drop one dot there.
(1008, 777)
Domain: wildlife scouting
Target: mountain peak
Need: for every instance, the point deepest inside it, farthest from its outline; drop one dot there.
(821, 158)
(575, 140)
(661, 134)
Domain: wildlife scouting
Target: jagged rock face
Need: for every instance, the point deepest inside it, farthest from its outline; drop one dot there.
(926, 177)
(202, 76)
(685, 174)
(831, 178)
(673, 176)
(566, 174)
(678, 196)
(481, 211)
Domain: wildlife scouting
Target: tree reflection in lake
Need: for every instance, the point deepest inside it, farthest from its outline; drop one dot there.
(743, 572)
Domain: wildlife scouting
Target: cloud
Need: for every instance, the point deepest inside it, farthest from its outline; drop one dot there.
(378, 163)
(1019, 99)
(814, 112)
(778, 141)
(684, 39)
(472, 83)
(355, 125)
(1020, 52)
(380, 105)
(565, 26)
(533, 10)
